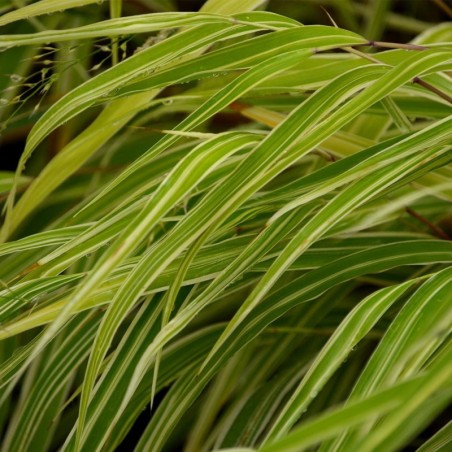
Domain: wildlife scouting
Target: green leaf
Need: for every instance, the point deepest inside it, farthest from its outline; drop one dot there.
(384, 401)
(42, 7)
(354, 327)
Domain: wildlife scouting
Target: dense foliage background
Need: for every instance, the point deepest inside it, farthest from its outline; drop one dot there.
(226, 224)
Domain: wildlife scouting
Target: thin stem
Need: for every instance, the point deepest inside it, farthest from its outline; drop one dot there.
(396, 45)
(433, 89)
(435, 229)
(446, 8)
(366, 56)
(115, 12)
(417, 80)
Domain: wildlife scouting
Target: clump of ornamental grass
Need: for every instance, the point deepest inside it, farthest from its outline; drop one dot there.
(225, 228)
